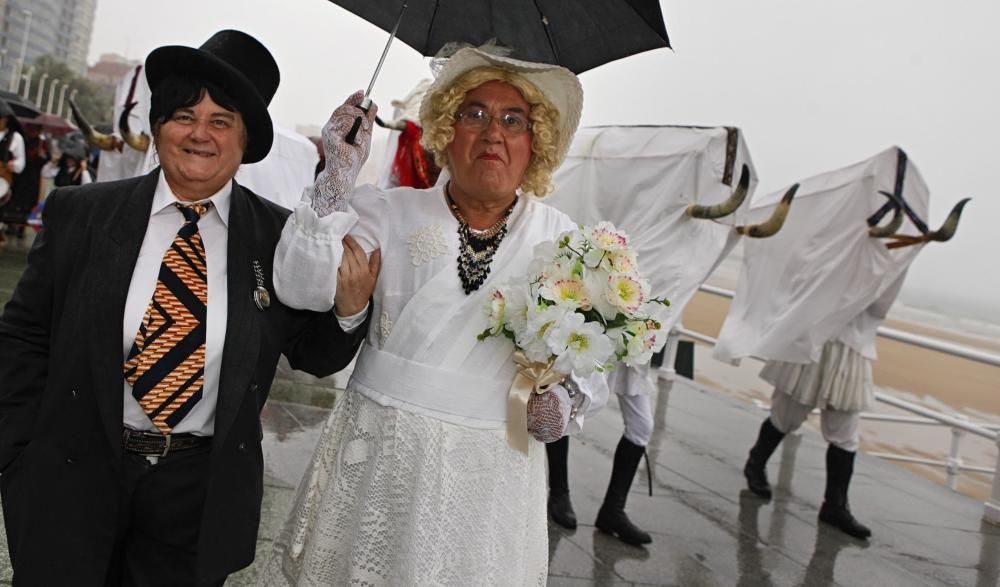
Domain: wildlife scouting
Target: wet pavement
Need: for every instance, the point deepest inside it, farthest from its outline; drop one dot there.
(707, 529)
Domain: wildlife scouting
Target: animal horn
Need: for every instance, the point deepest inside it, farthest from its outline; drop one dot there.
(139, 142)
(729, 206)
(94, 139)
(772, 225)
(894, 224)
(950, 225)
(399, 125)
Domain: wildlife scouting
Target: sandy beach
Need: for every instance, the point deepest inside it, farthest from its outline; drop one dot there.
(931, 379)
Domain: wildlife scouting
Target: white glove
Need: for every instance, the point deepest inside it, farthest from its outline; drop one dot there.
(548, 414)
(334, 184)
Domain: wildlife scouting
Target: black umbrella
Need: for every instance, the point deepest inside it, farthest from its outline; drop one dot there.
(7, 112)
(577, 34)
(21, 107)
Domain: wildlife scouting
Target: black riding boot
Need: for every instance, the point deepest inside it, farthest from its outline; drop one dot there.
(756, 468)
(835, 510)
(560, 507)
(612, 518)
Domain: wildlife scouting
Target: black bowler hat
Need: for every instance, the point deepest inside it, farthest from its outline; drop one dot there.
(239, 65)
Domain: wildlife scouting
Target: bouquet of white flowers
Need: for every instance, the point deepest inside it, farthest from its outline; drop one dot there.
(583, 306)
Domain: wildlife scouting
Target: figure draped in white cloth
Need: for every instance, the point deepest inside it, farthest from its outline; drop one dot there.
(668, 181)
(413, 481)
(810, 301)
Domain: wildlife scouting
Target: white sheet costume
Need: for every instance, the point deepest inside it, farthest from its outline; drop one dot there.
(642, 179)
(811, 298)
(413, 482)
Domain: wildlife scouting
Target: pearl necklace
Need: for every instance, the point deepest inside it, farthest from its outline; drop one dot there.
(477, 247)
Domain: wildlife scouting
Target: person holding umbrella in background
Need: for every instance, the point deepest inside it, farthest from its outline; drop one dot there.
(12, 157)
(71, 167)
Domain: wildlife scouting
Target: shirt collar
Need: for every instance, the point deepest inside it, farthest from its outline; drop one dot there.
(164, 197)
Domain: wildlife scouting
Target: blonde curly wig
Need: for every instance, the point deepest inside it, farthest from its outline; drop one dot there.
(438, 127)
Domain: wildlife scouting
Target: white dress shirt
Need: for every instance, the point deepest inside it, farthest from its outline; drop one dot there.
(164, 222)
(16, 148)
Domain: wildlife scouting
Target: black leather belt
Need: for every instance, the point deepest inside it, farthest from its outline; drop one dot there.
(154, 444)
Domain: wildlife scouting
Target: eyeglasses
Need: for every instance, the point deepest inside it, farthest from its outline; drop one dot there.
(478, 118)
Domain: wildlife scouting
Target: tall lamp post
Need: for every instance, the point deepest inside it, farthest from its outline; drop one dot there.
(27, 82)
(41, 88)
(24, 47)
(62, 96)
(52, 94)
(71, 96)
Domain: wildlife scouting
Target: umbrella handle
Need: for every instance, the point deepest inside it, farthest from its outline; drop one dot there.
(353, 133)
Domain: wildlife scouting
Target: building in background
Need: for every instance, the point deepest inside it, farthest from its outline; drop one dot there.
(110, 69)
(60, 28)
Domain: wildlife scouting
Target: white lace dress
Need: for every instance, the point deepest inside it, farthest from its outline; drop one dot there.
(413, 482)
(396, 498)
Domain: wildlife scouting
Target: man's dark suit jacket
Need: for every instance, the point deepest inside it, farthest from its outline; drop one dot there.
(61, 382)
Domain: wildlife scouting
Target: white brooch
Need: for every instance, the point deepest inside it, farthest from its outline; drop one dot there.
(384, 329)
(427, 243)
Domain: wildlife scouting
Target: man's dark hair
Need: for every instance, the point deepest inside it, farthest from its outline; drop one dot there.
(175, 92)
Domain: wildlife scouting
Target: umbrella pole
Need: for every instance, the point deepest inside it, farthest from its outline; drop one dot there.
(367, 102)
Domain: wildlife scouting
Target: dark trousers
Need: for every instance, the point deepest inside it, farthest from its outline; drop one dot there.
(161, 510)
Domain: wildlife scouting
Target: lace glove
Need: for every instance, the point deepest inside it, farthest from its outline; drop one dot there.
(334, 184)
(548, 414)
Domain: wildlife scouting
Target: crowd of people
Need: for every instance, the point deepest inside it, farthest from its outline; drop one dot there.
(33, 163)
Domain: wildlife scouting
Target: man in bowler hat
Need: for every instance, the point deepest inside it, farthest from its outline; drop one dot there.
(140, 344)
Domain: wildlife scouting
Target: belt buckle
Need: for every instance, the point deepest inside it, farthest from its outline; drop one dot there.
(166, 447)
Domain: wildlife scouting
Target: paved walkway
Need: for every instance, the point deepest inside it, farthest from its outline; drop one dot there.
(707, 530)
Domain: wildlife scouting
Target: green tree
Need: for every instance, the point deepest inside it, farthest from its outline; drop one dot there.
(95, 101)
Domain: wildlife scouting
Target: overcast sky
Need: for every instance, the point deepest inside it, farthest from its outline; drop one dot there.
(815, 85)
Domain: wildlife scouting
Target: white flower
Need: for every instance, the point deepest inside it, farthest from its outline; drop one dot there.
(543, 254)
(517, 300)
(567, 292)
(597, 258)
(580, 346)
(626, 292)
(597, 281)
(605, 236)
(540, 319)
(496, 311)
(624, 261)
(637, 352)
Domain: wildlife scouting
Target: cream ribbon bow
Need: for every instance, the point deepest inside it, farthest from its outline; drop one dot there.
(532, 377)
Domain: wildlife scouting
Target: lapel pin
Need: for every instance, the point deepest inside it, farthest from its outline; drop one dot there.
(261, 297)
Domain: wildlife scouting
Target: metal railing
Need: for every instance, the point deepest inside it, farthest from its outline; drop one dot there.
(959, 425)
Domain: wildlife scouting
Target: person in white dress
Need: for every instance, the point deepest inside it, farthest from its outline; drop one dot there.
(413, 481)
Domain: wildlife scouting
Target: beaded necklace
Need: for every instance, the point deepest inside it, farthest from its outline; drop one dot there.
(477, 247)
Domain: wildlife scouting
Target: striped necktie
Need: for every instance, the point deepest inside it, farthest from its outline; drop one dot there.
(166, 366)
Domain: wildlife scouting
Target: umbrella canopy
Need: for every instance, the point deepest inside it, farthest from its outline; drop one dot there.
(21, 107)
(50, 123)
(579, 35)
